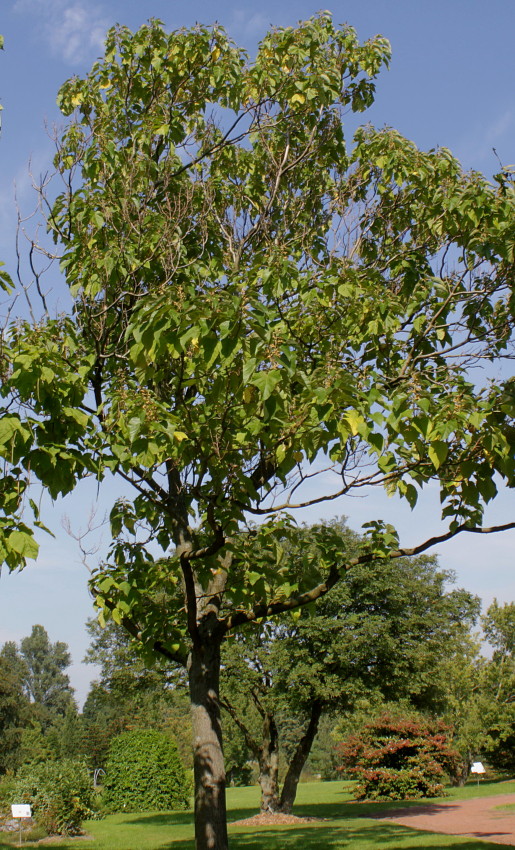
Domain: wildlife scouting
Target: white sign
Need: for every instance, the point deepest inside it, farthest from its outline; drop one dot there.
(21, 811)
(477, 767)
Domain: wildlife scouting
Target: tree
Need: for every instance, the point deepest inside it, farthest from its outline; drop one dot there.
(479, 696)
(254, 302)
(461, 705)
(39, 665)
(497, 687)
(13, 714)
(398, 758)
(385, 629)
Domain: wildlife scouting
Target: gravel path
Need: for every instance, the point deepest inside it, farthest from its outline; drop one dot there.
(476, 818)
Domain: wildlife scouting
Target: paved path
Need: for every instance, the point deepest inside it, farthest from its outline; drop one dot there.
(475, 818)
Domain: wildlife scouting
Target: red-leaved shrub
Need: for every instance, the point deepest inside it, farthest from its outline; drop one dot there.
(398, 758)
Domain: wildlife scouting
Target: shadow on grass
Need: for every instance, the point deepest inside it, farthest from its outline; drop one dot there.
(316, 837)
(344, 810)
(324, 811)
(162, 819)
(376, 836)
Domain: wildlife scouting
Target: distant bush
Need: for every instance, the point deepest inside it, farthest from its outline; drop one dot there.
(59, 792)
(398, 758)
(144, 773)
(7, 786)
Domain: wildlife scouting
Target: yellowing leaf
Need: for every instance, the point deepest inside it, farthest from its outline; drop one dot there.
(355, 420)
(180, 436)
(76, 100)
(280, 453)
(298, 98)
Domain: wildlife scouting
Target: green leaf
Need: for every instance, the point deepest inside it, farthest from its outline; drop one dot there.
(9, 425)
(437, 453)
(266, 382)
(23, 543)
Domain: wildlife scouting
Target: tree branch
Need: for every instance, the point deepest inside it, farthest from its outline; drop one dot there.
(271, 609)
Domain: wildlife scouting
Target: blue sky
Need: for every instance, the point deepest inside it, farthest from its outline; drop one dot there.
(451, 83)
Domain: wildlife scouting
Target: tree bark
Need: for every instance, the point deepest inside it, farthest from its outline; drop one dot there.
(291, 780)
(461, 773)
(209, 770)
(269, 765)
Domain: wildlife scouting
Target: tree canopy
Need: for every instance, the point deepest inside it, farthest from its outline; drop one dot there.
(256, 303)
(39, 666)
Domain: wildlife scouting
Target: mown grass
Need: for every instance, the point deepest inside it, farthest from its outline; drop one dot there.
(346, 825)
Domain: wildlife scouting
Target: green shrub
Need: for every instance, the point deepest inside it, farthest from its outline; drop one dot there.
(144, 773)
(60, 793)
(398, 758)
(7, 786)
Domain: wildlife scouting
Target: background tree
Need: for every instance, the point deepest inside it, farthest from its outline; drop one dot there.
(40, 667)
(461, 704)
(497, 687)
(385, 629)
(13, 716)
(479, 693)
(252, 298)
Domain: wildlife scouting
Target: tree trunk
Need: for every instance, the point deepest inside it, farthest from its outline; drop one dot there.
(298, 761)
(269, 766)
(461, 774)
(209, 771)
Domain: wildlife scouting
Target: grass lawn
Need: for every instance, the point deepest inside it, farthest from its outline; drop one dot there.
(346, 825)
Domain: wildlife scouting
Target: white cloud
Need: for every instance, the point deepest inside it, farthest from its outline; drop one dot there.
(73, 30)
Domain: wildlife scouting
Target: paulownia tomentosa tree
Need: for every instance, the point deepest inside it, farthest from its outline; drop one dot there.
(255, 303)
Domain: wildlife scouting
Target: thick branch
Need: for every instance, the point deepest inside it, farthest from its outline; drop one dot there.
(300, 756)
(251, 742)
(271, 609)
